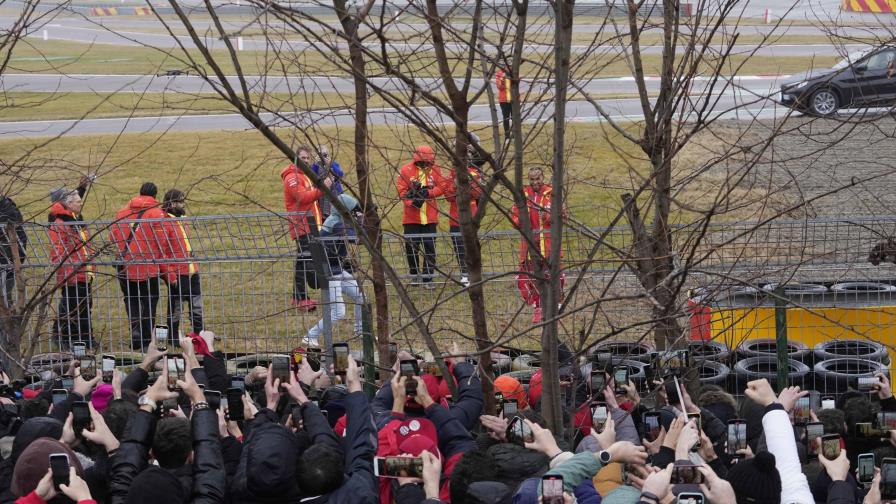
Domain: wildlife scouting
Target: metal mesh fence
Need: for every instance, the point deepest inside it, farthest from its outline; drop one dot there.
(246, 265)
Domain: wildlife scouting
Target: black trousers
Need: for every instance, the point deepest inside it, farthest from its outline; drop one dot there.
(141, 299)
(506, 113)
(72, 323)
(460, 252)
(187, 289)
(420, 251)
(303, 269)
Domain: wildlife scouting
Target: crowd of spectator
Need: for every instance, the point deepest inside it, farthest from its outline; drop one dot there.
(192, 433)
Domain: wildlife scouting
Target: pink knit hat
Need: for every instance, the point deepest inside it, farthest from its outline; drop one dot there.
(101, 397)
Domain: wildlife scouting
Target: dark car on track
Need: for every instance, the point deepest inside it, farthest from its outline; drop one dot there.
(863, 79)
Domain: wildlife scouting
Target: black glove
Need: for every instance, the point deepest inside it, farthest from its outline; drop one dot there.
(418, 203)
(424, 193)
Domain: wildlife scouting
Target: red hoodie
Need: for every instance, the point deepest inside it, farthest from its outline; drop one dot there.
(149, 243)
(300, 195)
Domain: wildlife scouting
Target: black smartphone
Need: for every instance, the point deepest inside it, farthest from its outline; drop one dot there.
(620, 378)
(801, 412)
(80, 416)
(108, 368)
(737, 436)
(235, 404)
(393, 353)
(176, 371)
(238, 382)
(830, 446)
(698, 423)
(410, 369)
(598, 382)
(59, 466)
(888, 478)
(79, 349)
(552, 489)
(866, 467)
(509, 407)
(814, 430)
(519, 432)
(599, 415)
(652, 426)
(161, 332)
(867, 383)
(88, 367)
(691, 498)
(398, 467)
(340, 358)
(313, 356)
(213, 398)
(601, 361)
(280, 368)
(686, 474)
(68, 383)
(59, 397)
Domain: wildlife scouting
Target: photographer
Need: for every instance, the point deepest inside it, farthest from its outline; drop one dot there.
(419, 183)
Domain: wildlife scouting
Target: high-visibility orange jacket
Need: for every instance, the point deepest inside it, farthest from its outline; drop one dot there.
(300, 195)
(177, 234)
(503, 84)
(451, 194)
(539, 203)
(71, 247)
(431, 178)
(149, 242)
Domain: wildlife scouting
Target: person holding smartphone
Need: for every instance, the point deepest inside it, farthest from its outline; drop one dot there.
(76, 489)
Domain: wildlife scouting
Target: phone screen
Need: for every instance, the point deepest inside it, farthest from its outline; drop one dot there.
(598, 381)
(509, 408)
(868, 383)
(340, 358)
(734, 436)
(108, 368)
(652, 426)
(888, 478)
(176, 371)
(79, 349)
(801, 410)
(814, 430)
(886, 420)
(552, 489)
(80, 416)
(409, 369)
(399, 467)
(59, 396)
(691, 498)
(162, 337)
(866, 467)
(88, 368)
(598, 416)
(686, 474)
(238, 382)
(59, 465)
(519, 433)
(280, 368)
(828, 404)
(235, 404)
(620, 377)
(393, 353)
(830, 446)
(68, 383)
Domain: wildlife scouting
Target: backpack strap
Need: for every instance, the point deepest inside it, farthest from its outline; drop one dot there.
(127, 242)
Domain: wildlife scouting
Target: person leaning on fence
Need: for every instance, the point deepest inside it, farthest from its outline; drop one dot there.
(141, 246)
(419, 183)
(300, 195)
(182, 277)
(341, 280)
(71, 255)
(538, 196)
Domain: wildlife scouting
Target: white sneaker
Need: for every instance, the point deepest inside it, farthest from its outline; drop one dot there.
(310, 341)
(465, 281)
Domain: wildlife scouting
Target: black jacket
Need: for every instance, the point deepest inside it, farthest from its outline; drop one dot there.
(360, 484)
(9, 213)
(208, 479)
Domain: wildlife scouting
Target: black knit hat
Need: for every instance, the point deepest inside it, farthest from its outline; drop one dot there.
(756, 480)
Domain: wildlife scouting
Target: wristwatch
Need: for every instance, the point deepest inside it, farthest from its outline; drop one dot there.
(146, 401)
(604, 457)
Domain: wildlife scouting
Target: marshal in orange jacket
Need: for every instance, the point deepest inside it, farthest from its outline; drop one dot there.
(177, 234)
(451, 194)
(71, 246)
(300, 195)
(149, 243)
(430, 178)
(539, 220)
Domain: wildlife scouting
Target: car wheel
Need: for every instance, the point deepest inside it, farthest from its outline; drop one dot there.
(835, 376)
(757, 368)
(824, 102)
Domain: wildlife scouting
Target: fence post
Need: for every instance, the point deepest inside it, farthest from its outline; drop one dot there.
(369, 350)
(781, 337)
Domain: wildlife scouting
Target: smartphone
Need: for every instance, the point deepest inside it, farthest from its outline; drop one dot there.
(686, 474)
(313, 356)
(235, 397)
(280, 368)
(238, 382)
(213, 398)
(108, 368)
(652, 427)
(68, 383)
(598, 382)
(393, 353)
(828, 402)
(698, 423)
(691, 498)
(59, 397)
(886, 420)
(410, 369)
(433, 369)
(80, 416)
(888, 478)
(79, 349)
(88, 367)
(599, 416)
(509, 408)
(161, 337)
(814, 430)
(866, 467)
(737, 436)
(340, 358)
(801, 411)
(867, 383)
(552, 489)
(176, 371)
(519, 432)
(830, 446)
(398, 467)
(620, 378)
(59, 465)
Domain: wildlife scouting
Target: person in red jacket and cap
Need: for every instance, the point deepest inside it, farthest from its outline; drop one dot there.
(182, 277)
(142, 246)
(419, 183)
(454, 215)
(300, 195)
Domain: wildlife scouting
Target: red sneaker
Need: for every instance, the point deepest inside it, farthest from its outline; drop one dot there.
(536, 317)
(307, 305)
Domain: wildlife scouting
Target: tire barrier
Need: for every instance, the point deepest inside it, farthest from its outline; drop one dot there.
(862, 349)
(56, 362)
(714, 351)
(798, 289)
(241, 366)
(835, 376)
(768, 347)
(714, 373)
(502, 362)
(630, 350)
(766, 366)
(525, 362)
(863, 287)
